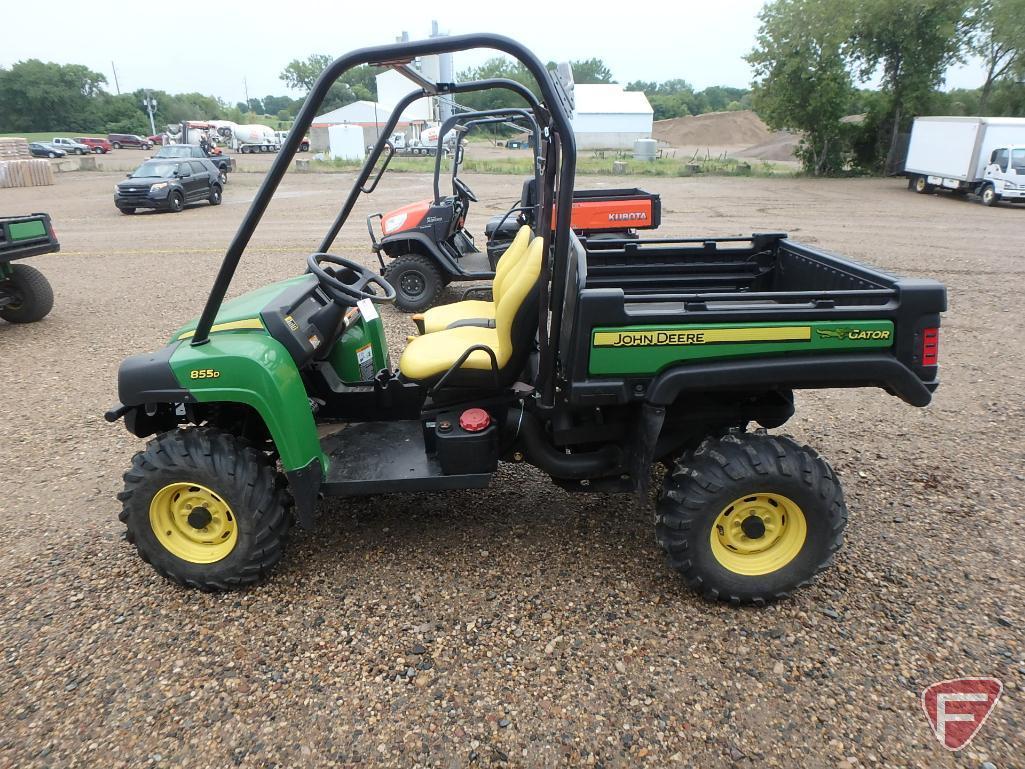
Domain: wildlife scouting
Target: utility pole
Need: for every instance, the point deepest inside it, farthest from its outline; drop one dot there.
(150, 104)
(245, 90)
(116, 86)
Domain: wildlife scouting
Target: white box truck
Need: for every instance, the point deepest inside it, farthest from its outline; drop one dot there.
(981, 155)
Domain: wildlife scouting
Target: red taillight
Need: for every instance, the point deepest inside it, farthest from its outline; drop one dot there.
(930, 346)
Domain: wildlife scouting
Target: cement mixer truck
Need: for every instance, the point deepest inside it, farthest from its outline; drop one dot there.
(247, 138)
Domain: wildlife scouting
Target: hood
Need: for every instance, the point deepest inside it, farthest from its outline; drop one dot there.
(405, 218)
(243, 312)
(141, 181)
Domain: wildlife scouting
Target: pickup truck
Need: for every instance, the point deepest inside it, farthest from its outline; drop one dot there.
(223, 162)
(70, 146)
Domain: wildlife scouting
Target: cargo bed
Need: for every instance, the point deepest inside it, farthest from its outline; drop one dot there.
(654, 317)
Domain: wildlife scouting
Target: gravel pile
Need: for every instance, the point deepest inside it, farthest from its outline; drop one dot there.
(516, 626)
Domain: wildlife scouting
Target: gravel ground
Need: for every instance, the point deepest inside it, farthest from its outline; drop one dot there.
(517, 625)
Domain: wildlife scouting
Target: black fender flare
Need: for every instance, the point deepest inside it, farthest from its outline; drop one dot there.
(816, 371)
(424, 246)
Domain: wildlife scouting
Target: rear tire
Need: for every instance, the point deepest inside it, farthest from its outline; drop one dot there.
(921, 186)
(989, 196)
(417, 282)
(789, 517)
(238, 490)
(116, 145)
(34, 292)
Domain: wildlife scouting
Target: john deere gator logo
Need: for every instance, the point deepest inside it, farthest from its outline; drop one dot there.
(853, 334)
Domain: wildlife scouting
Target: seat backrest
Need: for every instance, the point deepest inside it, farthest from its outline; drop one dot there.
(509, 261)
(516, 311)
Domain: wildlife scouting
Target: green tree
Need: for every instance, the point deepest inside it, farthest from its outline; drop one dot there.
(908, 44)
(43, 96)
(589, 71)
(356, 84)
(801, 82)
(999, 41)
(496, 67)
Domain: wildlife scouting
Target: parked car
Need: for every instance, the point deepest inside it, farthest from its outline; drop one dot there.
(155, 140)
(99, 145)
(129, 140)
(45, 150)
(170, 185)
(223, 162)
(71, 146)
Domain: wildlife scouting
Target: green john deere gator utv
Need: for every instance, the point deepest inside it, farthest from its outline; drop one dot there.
(592, 366)
(25, 293)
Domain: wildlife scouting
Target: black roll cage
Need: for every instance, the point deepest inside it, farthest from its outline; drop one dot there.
(463, 126)
(559, 153)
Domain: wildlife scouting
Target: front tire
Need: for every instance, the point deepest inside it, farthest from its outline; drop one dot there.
(205, 510)
(417, 282)
(34, 295)
(215, 196)
(749, 517)
(989, 196)
(176, 202)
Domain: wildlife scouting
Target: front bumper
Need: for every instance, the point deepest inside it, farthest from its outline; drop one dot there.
(155, 200)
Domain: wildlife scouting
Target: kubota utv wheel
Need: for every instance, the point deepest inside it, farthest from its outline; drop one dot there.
(749, 517)
(417, 282)
(33, 295)
(205, 509)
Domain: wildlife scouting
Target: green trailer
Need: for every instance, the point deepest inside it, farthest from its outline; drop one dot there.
(594, 366)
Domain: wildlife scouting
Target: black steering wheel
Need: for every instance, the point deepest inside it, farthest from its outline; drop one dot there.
(348, 285)
(462, 187)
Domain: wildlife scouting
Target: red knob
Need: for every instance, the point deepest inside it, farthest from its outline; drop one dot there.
(474, 420)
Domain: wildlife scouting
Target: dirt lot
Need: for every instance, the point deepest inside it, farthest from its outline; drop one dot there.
(518, 625)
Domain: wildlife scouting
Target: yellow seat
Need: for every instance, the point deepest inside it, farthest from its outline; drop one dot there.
(479, 312)
(428, 357)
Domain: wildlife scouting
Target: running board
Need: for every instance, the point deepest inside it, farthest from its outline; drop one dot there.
(387, 457)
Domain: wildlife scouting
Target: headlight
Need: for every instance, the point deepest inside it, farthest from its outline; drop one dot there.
(116, 189)
(394, 222)
(158, 186)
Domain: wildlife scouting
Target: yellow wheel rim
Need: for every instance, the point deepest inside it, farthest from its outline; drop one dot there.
(193, 522)
(758, 534)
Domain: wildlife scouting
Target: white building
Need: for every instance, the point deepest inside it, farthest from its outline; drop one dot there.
(368, 115)
(609, 117)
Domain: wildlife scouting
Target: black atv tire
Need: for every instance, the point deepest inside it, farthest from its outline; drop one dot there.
(417, 282)
(244, 478)
(722, 476)
(34, 292)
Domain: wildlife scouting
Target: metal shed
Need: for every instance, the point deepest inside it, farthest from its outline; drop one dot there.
(609, 117)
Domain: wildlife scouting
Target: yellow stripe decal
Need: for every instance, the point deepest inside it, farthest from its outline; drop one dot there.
(235, 325)
(653, 337)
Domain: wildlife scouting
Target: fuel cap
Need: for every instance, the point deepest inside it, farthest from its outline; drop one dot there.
(474, 420)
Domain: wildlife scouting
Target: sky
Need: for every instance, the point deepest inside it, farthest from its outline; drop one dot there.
(250, 42)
